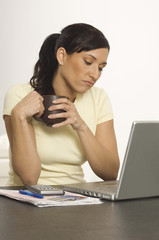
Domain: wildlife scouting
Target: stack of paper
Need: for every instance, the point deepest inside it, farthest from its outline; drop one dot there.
(68, 199)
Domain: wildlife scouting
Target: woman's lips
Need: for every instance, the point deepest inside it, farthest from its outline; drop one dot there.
(89, 83)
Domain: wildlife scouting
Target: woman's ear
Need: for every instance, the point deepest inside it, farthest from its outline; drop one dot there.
(61, 53)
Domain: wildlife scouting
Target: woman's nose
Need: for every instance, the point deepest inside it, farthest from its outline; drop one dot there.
(94, 73)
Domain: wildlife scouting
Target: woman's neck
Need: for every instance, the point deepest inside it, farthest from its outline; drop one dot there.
(61, 88)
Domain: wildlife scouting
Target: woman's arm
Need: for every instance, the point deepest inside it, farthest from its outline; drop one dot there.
(101, 149)
(25, 159)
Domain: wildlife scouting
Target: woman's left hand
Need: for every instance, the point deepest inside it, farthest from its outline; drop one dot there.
(72, 116)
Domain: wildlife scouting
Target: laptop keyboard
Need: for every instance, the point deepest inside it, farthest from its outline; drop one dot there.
(94, 189)
(109, 187)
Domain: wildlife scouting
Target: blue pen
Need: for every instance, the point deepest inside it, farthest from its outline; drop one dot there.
(30, 194)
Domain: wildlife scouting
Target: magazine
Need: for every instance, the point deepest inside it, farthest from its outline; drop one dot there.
(68, 199)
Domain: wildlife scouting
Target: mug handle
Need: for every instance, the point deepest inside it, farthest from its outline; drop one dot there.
(37, 118)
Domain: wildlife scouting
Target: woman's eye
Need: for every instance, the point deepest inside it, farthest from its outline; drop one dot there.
(100, 69)
(88, 63)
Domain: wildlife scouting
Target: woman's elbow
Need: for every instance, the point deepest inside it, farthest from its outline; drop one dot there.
(29, 178)
(114, 175)
(115, 169)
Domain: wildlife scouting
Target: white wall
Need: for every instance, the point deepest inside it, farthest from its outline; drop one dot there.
(132, 28)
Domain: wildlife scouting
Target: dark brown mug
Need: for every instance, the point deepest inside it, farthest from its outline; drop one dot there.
(48, 101)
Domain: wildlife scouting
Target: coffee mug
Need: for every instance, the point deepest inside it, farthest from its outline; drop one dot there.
(47, 102)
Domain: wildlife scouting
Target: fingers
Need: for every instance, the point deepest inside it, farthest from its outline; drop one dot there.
(61, 100)
(61, 104)
(37, 102)
(59, 107)
(59, 115)
(71, 115)
(61, 124)
(31, 104)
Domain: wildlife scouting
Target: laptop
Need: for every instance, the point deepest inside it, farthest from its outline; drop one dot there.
(139, 175)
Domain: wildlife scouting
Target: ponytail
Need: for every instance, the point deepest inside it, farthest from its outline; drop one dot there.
(45, 67)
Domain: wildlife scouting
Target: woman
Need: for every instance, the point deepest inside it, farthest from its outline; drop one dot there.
(69, 64)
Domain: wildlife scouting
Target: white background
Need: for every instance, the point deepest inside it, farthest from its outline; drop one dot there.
(132, 28)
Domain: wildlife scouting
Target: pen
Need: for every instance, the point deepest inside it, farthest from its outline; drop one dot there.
(30, 194)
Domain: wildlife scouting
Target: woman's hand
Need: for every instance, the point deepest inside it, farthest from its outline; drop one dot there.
(31, 104)
(71, 114)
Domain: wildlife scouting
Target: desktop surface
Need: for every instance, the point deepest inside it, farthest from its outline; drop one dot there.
(125, 220)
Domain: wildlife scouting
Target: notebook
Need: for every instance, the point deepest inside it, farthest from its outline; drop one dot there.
(139, 175)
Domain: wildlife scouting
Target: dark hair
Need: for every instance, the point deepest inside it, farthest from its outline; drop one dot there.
(74, 38)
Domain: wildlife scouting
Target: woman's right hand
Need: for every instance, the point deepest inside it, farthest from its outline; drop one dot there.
(30, 105)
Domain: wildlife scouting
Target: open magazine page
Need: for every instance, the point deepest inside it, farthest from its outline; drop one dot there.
(68, 199)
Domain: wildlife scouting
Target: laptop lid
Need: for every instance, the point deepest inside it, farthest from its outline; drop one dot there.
(139, 174)
(140, 171)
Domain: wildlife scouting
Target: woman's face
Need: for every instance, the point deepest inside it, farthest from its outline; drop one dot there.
(80, 71)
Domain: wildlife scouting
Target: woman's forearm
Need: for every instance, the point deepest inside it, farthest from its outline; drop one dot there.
(104, 162)
(25, 159)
